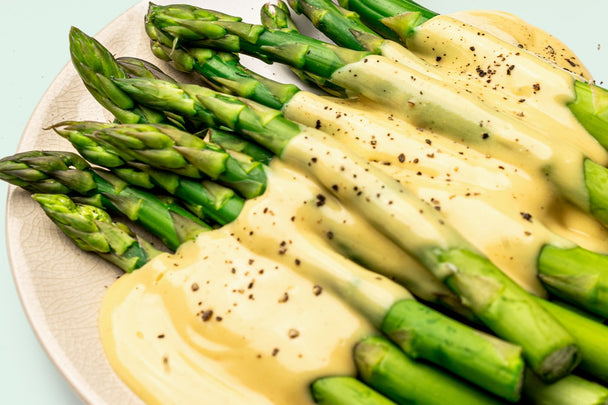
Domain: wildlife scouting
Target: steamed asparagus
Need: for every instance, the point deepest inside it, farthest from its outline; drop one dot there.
(65, 172)
(397, 213)
(390, 84)
(399, 20)
(92, 229)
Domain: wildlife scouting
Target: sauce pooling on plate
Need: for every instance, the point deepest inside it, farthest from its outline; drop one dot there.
(247, 313)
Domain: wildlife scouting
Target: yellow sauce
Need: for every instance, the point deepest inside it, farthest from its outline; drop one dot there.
(248, 313)
(477, 193)
(253, 312)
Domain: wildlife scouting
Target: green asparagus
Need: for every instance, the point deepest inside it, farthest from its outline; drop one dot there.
(277, 17)
(569, 390)
(386, 369)
(389, 84)
(95, 65)
(221, 70)
(345, 391)
(207, 199)
(167, 148)
(446, 254)
(91, 229)
(398, 20)
(503, 360)
(252, 128)
(65, 172)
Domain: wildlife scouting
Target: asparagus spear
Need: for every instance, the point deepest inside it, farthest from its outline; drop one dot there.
(569, 390)
(390, 84)
(221, 70)
(394, 19)
(400, 215)
(590, 335)
(167, 148)
(337, 23)
(386, 369)
(398, 19)
(345, 391)
(186, 100)
(65, 172)
(277, 17)
(400, 325)
(92, 229)
(95, 65)
(506, 365)
(207, 199)
(588, 288)
(233, 142)
(340, 25)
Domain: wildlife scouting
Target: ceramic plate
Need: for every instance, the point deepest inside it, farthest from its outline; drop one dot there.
(61, 287)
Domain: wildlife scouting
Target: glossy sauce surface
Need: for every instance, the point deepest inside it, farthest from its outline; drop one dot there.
(252, 312)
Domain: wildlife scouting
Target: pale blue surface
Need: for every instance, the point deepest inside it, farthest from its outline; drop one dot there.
(27, 376)
(34, 50)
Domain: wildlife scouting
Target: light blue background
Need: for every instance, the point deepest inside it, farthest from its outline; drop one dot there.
(35, 48)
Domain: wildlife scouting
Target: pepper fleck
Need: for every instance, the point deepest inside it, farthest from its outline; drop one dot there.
(207, 315)
(526, 216)
(317, 290)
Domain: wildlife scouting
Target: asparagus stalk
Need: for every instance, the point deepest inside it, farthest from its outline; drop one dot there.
(91, 229)
(398, 19)
(503, 361)
(400, 325)
(290, 48)
(338, 24)
(386, 369)
(207, 199)
(345, 391)
(277, 17)
(590, 335)
(65, 172)
(393, 19)
(188, 100)
(576, 275)
(167, 148)
(569, 390)
(400, 215)
(388, 83)
(590, 107)
(95, 65)
(221, 70)
(233, 142)
(217, 203)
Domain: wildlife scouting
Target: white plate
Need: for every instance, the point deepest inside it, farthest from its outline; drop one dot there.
(61, 287)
